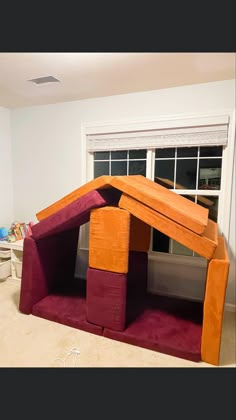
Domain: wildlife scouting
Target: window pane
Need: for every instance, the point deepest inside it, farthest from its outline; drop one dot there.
(160, 241)
(186, 174)
(137, 168)
(181, 249)
(101, 155)
(121, 154)
(209, 174)
(164, 172)
(137, 154)
(118, 168)
(211, 151)
(187, 152)
(211, 203)
(101, 168)
(165, 153)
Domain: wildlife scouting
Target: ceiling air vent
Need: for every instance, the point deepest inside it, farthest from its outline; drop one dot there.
(43, 80)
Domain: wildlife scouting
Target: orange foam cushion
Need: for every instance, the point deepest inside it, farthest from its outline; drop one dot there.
(172, 205)
(166, 202)
(100, 182)
(109, 236)
(216, 283)
(204, 245)
(140, 235)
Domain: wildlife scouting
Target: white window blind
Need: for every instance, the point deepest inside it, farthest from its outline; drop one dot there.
(202, 135)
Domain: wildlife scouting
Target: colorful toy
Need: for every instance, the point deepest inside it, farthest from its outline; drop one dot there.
(3, 234)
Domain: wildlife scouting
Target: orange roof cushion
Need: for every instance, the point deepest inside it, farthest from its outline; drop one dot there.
(166, 202)
(172, 205)
(100, 182)
(204, 244)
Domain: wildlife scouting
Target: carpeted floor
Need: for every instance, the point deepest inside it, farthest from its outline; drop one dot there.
(29, 341)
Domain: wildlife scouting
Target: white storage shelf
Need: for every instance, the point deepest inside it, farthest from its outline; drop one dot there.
(11, 257)
(5, 253)
(5, 269)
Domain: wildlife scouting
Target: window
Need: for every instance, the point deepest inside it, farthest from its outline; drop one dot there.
(196, 162)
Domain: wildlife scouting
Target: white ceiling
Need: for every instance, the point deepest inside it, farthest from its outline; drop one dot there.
(91, 75)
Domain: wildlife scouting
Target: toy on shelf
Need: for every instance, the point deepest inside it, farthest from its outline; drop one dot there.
(17, 231)
(3, 234)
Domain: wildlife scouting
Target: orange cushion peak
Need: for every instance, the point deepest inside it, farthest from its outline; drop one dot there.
(166, 202)
(100, 182)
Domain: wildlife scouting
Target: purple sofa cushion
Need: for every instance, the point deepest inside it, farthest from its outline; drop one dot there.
(73, 215)
(137, 274)
(107, 292)
(106, 298)
(66, 309)
(33, 285)
(167, 325)
(47, 263)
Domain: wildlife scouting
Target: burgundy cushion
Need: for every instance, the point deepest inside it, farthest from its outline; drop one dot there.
(137, 274)
(33, 285)
(106, 292)
(106, 298)
(168, 325)
(47, 263)
(73, 215)
(66, 309)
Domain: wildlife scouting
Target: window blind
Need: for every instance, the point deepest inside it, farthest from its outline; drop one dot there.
(214, 135)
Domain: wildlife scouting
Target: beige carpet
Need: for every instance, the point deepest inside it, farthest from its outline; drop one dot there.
(29, 341)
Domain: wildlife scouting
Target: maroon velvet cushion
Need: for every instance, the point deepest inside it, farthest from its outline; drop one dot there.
(66, 309)
(33, 285)
(47, 263)
(106, 298)
(137, 274)
(168, 325)
(73, 215)
(106, 292)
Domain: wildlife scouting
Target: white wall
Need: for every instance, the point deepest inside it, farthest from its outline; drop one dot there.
(6, 186)
(47, 149)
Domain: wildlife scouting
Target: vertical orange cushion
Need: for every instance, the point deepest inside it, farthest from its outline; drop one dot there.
(217, 276)
(140, 234)
(109, 239)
